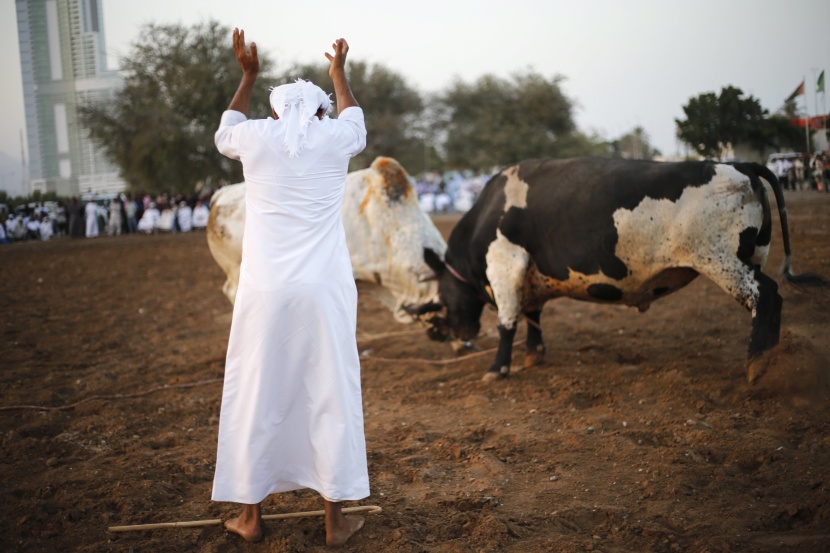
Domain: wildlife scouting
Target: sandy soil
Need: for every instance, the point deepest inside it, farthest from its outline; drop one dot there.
(639, 432)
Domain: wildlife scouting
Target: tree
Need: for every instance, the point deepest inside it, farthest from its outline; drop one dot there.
(391, 107)
(494, 121)
(782, 134)
(713, 122)
(790, 108)
(635, 145)
(782, 130)
(159, 127)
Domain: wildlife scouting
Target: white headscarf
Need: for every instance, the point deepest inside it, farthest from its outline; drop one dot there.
(296, 104)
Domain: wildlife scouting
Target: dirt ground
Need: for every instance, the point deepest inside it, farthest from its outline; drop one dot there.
(638, 432)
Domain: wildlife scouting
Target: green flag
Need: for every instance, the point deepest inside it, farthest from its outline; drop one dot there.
(820, 82)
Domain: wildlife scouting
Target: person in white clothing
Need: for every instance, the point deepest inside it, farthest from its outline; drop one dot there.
(149, 219)
(291, 414)
(45, 229)
(185, 217)
(201, 213)
(33, 227)
(13, 227)
(91, 213)
(114, 222)
(166, 221)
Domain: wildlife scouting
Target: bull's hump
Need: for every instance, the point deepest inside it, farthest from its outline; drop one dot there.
(393, 178)
(515, 189)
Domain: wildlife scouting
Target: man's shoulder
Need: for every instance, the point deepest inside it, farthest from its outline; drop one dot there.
(350, 114)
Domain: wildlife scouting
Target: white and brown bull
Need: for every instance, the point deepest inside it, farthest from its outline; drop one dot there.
(387, 233)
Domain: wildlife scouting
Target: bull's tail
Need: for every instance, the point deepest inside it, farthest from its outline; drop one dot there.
(803, 279)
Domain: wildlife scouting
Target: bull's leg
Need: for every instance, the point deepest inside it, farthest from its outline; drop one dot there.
(766, 316)
(535, 346)
(758, 293)
(501, 366)
(506, 268)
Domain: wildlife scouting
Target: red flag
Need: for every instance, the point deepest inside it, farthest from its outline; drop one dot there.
(798, 92)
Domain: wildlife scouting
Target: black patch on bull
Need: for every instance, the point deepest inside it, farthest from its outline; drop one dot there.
(604, 292)
(746, 244)
(434, 261)
(569, 219)
(764, 237)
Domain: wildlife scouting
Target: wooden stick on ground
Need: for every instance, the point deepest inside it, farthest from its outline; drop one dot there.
(368, 509)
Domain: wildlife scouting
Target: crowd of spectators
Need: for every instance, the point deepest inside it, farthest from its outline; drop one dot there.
(117, 214)
(32, 223)
(127, 213)
(453, 191)
(803, 171)
(449, 192)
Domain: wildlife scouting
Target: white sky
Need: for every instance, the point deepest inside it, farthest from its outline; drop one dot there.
(626, 64)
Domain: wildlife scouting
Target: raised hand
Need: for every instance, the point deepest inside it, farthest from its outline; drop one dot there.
(338, 60)
(337, 72)
(249, 62)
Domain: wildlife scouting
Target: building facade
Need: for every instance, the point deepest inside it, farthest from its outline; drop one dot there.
(63, 63)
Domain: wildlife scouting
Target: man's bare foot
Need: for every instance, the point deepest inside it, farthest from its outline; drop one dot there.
(339, 528)
(248, 524)
(339, 536)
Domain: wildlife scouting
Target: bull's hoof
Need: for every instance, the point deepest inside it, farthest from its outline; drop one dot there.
(459, 346)
(533, 358)
(757, 367)
(491, 375)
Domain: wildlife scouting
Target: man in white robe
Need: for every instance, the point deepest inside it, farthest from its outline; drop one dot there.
(292, 413)
(45, 229)
(33, 227)
(91, 213)
(114, 222)
(13, 227)
(185, 217)
(167, 220)
(201, 213)
(149, 219)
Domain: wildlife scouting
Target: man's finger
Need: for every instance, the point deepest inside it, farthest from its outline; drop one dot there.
(253, 50)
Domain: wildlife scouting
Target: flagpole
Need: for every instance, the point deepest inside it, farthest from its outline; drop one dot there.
(823, 102)
(824, 109)
(815, 89)
(806, 118)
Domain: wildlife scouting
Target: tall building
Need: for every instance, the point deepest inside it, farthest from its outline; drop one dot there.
(63, 61)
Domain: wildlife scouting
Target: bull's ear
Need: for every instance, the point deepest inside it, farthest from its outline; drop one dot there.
(434, 261)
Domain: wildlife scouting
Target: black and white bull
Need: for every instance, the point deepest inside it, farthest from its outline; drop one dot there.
(610, 231)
